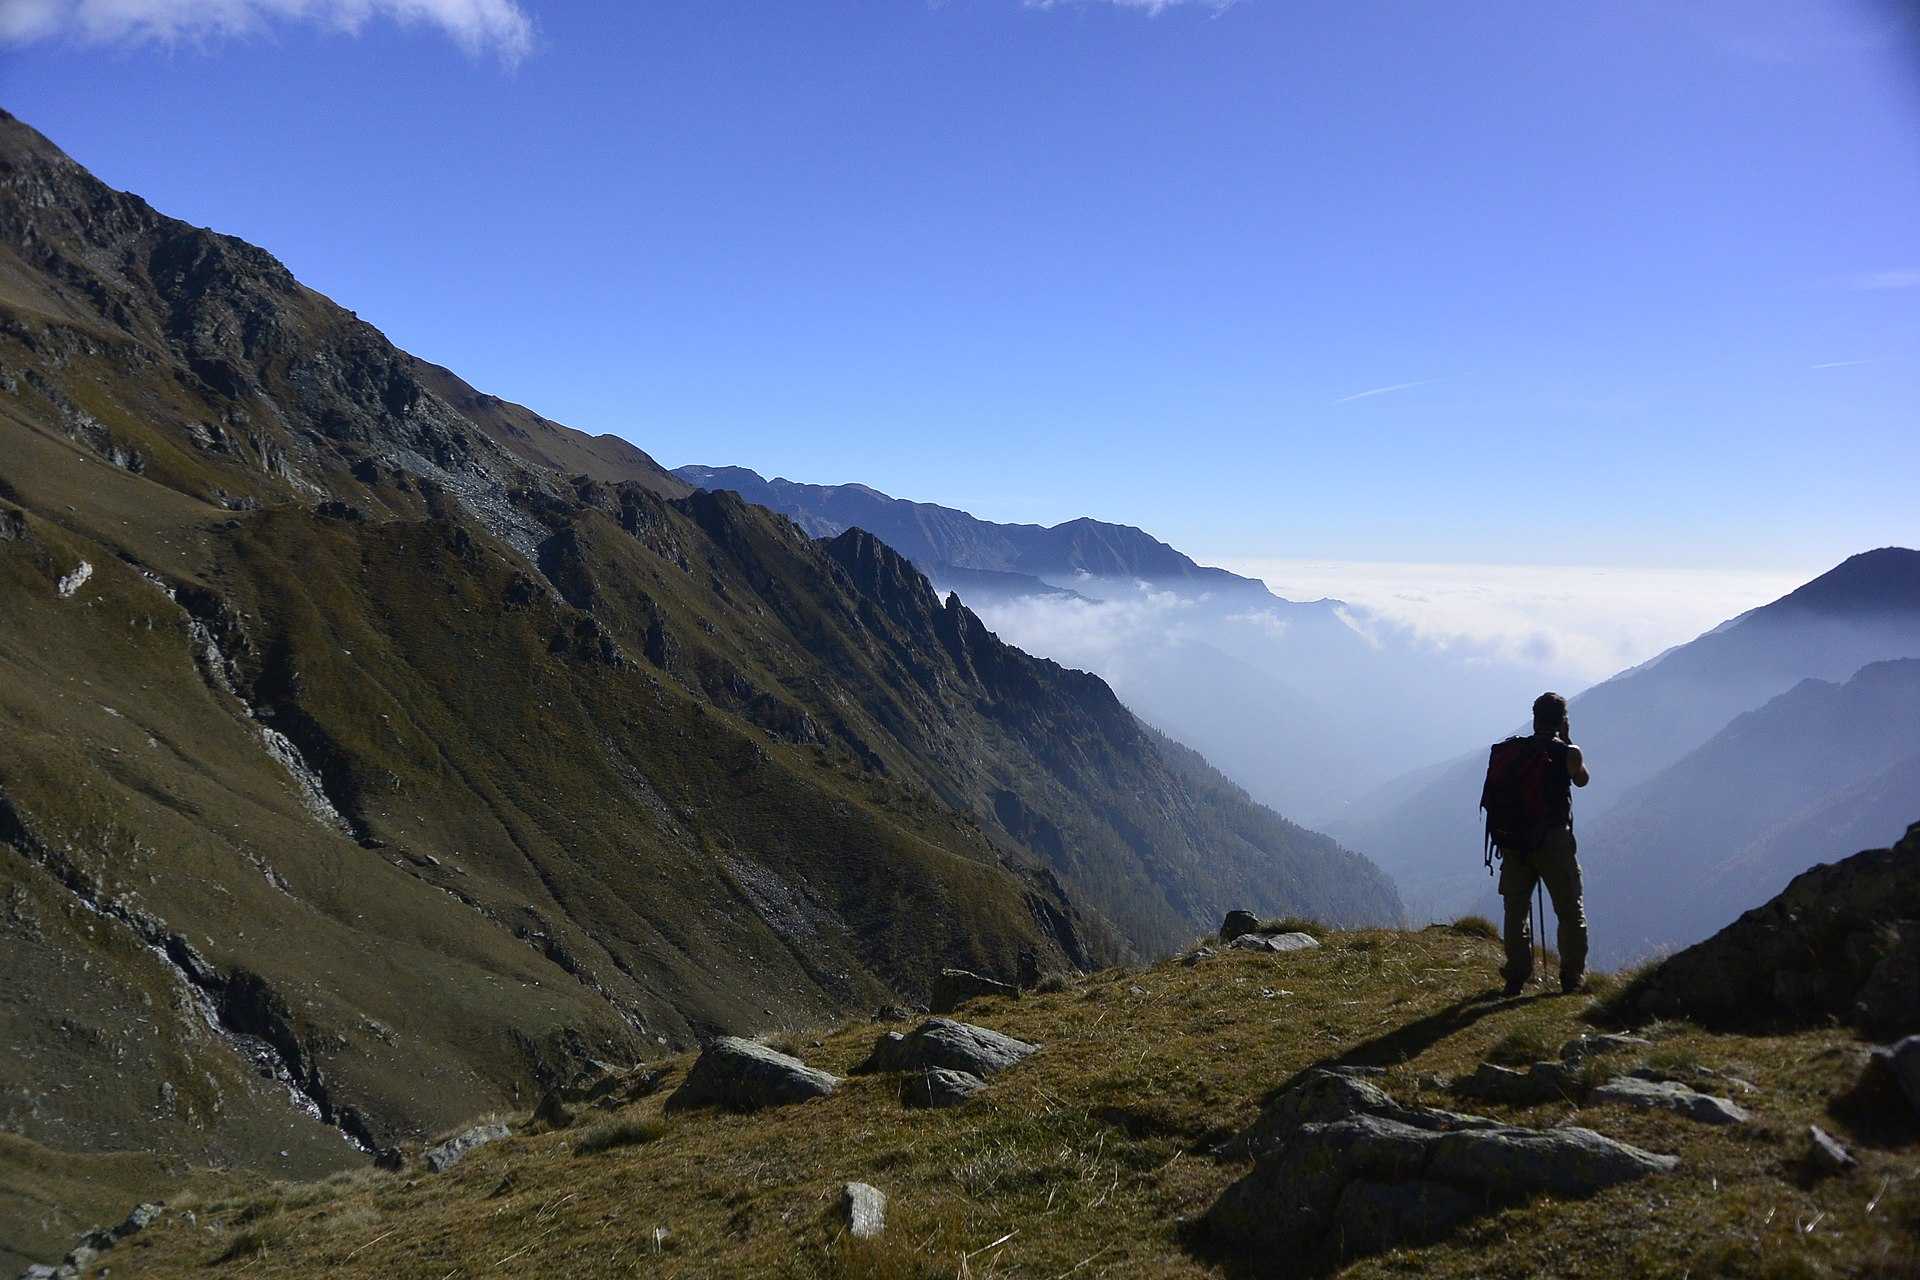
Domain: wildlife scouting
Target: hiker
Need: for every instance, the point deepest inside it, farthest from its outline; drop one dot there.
(1529, 802)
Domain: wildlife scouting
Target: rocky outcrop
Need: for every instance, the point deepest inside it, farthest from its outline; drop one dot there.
(954, 987)
(1842, 941)
(1348, 1187)
(741, 1075)
(451, 1152)
(87, 1250)
(942, 1042)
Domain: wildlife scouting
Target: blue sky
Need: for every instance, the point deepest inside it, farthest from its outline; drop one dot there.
(1632, 284)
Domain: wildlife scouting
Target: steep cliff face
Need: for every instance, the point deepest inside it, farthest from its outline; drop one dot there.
(384, 738)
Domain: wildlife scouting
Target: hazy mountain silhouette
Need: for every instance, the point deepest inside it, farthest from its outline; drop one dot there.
(1425, 828)
(934, 536)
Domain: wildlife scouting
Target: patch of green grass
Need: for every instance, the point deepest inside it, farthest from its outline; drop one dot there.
(626, 1132)
(1476, 927)
(1522, 1047)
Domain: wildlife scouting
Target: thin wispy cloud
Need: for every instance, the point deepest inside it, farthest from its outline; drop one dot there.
(1370, 392)
(498, 27)
(1876, 281)
(1838, 364)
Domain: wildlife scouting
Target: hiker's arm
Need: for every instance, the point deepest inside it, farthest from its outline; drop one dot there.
(1576, 766)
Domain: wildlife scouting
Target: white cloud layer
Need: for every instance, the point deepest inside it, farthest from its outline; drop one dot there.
(1588, 622)
(499, 27)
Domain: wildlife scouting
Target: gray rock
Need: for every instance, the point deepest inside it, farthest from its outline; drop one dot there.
(1324, 1097)
(1541, 1082)
(1368, 1183)
(1670, 1095)
(1901, 1060)
(1580, 1048)
(940, 1087)
(954, 987)
(1194, 957)
(744, 1076)
(1825, 1153)
(454, 1149)
(892, 1013)
(552, 1112)
(1275, 942)
(864, 1208)
(143, 1216)
(942, 1042)
(40, 1271)
(1237, 924)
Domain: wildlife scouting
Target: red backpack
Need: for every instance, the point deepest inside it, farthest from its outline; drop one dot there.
(1517, 796)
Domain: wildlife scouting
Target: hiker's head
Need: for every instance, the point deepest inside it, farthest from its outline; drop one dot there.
(1549, 713)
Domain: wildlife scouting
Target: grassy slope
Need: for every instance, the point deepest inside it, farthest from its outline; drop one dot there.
(1085, 1160)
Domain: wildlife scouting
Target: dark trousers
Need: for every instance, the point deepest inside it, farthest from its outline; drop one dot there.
(1556, 863)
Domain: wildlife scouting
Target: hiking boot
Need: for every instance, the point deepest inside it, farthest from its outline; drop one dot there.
(1515, 987)
(1573, 986)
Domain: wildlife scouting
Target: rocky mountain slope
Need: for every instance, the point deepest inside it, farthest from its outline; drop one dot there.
(377, 751)
(1366, 1107)
(1426, 830)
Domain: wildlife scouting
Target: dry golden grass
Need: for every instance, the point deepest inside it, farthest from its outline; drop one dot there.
(1087, 1160)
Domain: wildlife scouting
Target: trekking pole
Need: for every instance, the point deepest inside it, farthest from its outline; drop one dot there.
(1540, 930)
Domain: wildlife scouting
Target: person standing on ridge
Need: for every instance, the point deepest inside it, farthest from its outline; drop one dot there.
(1528, 797)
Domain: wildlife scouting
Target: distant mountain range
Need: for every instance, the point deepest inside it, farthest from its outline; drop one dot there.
(1680, 782)
(990, 557)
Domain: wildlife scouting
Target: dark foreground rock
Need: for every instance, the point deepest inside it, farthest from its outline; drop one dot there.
(940, 1087)
(954, 987)
(87, 1250)
(1901, 1061)
(1842, 941)
(942, 1042)
(742, 1075)
(1361, 1185)
(1540, 1082)
(1238, 923)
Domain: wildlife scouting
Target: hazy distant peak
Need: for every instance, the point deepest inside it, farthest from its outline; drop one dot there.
(1884, 580)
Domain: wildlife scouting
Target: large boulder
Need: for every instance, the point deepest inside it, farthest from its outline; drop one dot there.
(1367, 1183)
(954, 987)
(942, 1042)
(742, 1075)
(1238, 923)
(1842, 941)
